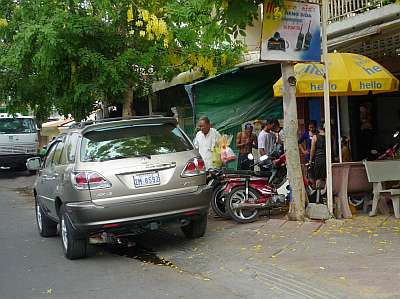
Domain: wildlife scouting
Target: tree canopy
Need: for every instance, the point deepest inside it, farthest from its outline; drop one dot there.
(73, 54)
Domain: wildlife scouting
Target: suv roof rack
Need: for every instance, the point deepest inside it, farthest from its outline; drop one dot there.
(83, 124)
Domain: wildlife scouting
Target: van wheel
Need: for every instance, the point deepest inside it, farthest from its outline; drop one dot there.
(46, 226)
(196, 228)
(74, 245)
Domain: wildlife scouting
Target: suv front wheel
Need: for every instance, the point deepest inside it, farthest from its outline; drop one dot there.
(74, 245)
(196, 228)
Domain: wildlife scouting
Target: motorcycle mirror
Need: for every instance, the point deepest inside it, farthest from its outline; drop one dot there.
(395, 135)
(264, 157)
(250, 156)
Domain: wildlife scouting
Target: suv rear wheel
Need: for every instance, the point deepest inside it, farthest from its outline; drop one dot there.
(196, 228)
(74, 245)
(46, 226)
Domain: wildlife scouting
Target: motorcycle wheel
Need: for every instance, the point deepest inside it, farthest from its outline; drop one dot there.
(243, 215)
(218, 203)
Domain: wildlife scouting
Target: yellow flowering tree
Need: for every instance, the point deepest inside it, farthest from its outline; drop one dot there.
(74, 54)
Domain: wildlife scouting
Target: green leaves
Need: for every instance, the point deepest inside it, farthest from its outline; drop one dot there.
(73, 54)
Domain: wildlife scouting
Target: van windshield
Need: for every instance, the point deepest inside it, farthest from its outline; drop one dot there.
(17, 126)
(133, 141)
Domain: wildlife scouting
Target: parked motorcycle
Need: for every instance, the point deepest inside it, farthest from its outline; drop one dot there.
(391, 153)
(218, 179)
(247, 195)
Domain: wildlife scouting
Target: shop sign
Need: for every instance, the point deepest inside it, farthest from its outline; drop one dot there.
(291, 32)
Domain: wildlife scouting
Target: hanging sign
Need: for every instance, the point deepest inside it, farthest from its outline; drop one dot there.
(291, 32)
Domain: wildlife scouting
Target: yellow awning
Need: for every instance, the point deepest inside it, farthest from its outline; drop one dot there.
(349, 74)
(54, 128)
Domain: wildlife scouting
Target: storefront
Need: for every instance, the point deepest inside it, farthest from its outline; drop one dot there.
(365, 107)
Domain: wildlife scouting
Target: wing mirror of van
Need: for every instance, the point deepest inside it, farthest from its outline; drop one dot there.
(33, 164)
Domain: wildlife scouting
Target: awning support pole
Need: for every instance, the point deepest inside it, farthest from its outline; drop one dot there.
(327, 107)
(338, 127)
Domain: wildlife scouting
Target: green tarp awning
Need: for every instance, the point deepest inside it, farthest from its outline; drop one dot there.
(236, 96)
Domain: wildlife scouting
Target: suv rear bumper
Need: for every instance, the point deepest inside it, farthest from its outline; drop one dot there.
(87, 217)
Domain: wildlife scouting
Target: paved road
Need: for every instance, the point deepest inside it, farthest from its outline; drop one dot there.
(34, 267)
(265, 259)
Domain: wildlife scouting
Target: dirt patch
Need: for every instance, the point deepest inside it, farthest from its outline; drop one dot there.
(138, 252)
(24, 191)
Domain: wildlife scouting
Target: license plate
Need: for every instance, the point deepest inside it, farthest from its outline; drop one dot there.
(146, 179)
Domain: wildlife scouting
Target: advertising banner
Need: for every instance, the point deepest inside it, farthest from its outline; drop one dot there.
(291, 32)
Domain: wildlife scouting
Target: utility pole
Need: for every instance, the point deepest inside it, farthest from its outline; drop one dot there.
(297, 205)
(275, 47)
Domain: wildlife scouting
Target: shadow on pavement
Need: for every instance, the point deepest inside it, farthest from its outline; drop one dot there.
(145, 247)
(12, 174)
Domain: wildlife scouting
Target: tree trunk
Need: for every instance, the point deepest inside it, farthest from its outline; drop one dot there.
(297, 205)
(127, 104)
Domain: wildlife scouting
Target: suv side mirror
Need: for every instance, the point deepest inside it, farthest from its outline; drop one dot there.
(34, 164)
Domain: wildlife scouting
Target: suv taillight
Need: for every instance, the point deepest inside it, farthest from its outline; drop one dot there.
(194, 167)
(85, 180)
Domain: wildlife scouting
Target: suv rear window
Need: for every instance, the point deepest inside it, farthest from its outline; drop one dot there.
(133, 141)
(17, 126)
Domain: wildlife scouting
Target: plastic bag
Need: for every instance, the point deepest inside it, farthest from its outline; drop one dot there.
(216, 157)
(227, 155)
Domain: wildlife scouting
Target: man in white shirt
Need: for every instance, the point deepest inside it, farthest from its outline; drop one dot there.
(205, 140)
(266, 139)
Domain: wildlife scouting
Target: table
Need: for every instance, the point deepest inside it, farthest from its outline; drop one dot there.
(349, 177)
(380, 172)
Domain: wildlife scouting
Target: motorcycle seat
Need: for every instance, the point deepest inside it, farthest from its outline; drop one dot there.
(262, 173)
(238, 172)
(247, 173)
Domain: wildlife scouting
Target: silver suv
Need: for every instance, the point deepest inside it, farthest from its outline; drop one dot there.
(111, 179)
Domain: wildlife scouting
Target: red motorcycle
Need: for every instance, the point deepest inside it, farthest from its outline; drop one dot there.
(393, 151)
(246, 196)
(218, 179)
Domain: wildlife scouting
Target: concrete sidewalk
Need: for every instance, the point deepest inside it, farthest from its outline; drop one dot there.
(360, 255)
(355, 258)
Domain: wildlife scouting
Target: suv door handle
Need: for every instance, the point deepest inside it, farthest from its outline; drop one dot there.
(44, 177)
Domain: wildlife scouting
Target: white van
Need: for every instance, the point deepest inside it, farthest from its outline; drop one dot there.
(18, 140)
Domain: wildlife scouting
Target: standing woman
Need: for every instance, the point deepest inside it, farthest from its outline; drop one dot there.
(318, 155)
